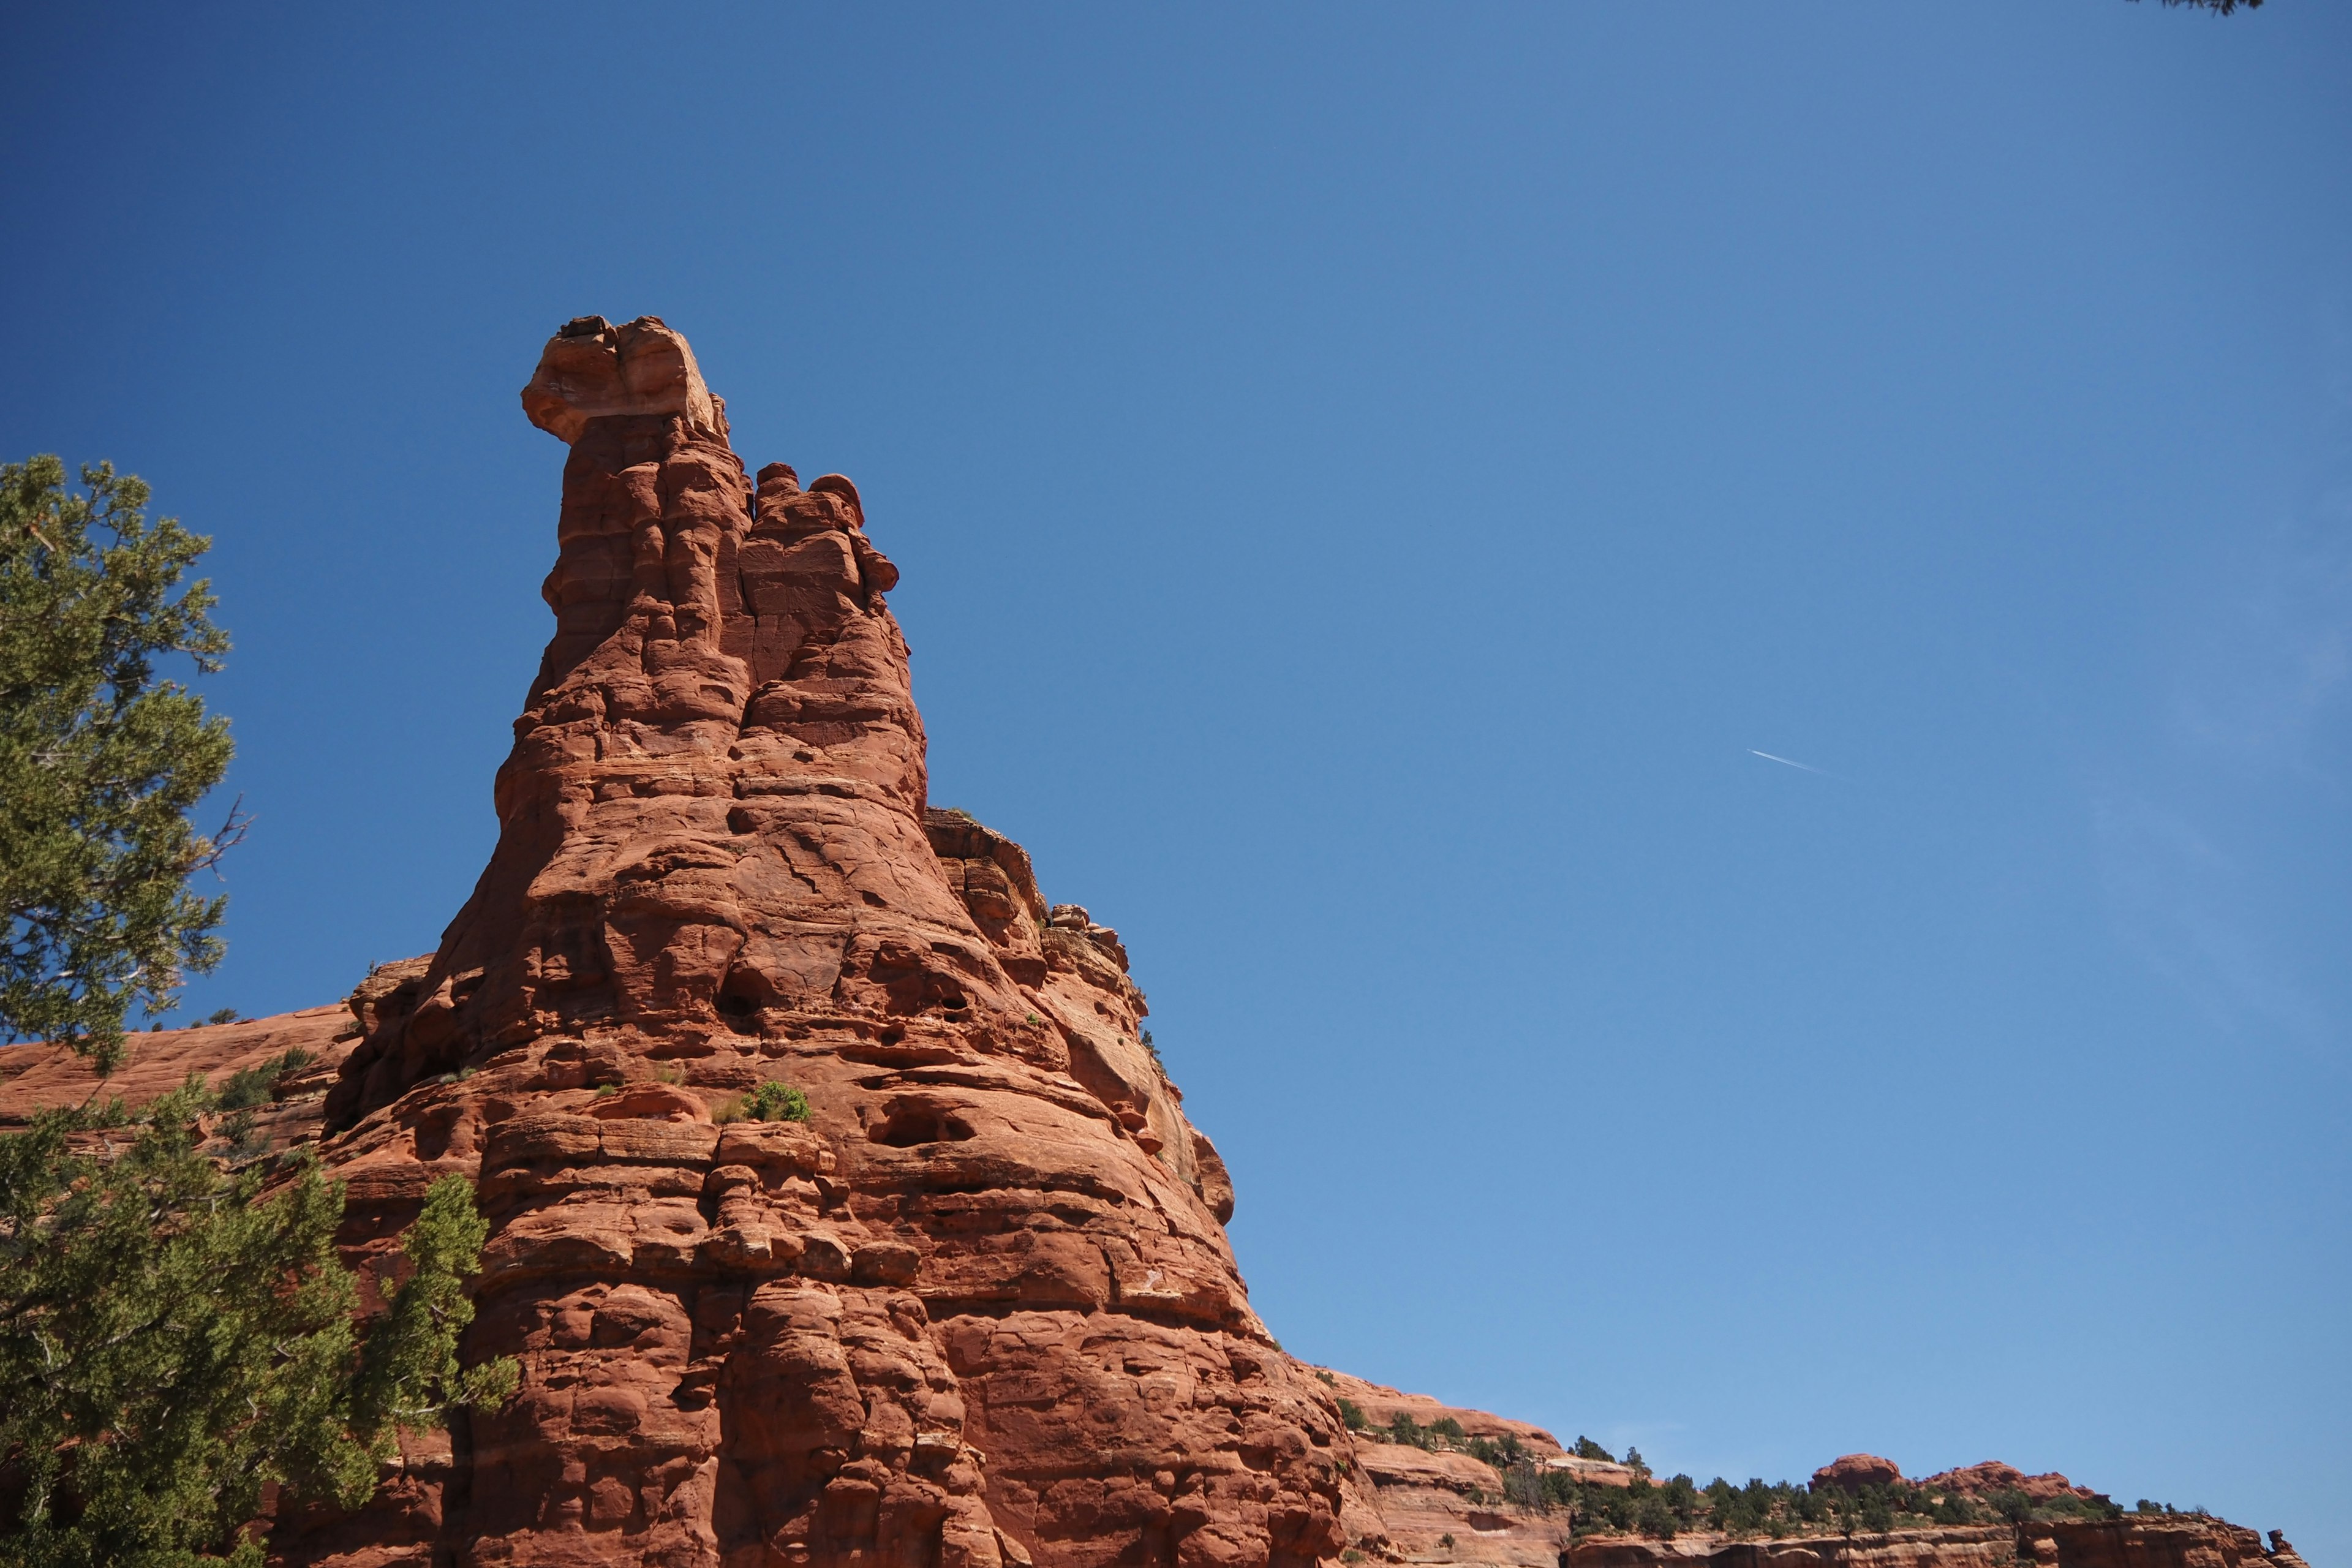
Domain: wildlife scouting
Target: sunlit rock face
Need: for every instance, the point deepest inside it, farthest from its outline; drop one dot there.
(982, 1306)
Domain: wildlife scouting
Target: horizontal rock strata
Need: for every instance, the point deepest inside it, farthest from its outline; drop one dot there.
(981, 1307)
(2164, 1541)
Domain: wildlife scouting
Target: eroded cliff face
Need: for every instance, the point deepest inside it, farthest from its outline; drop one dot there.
(980, 1308)
(2164, 1541)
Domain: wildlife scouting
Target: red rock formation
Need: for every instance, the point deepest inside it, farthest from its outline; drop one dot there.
(1966, 1547)
(1992, 1476)
(982, 1306)
(33, 1077)
(2133, 1542)
(1413, 1506)
(2142, 1541)
(2283, 1553)
(980, 1310)
(1382, 1405)
(1852, 1472)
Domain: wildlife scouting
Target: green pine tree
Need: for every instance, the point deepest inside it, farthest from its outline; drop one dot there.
(100, 758)
(175, 1339)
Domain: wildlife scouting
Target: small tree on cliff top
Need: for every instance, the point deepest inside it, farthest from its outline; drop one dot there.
(175, 1340)
(100, 759)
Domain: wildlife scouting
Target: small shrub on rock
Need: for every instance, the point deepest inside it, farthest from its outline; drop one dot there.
(1405, 1429)
(257, 1084)
(772, 1101)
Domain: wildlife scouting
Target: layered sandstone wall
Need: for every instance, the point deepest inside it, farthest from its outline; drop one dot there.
(981, 1307)
(2135, 1542)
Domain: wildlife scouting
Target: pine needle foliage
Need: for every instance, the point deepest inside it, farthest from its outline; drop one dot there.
(410, 1376)
(101, 759)
(176, 1339)
(771, 1101)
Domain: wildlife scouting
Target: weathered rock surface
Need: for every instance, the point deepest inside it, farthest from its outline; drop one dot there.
(1987, 1546)
(1382, 1405)
(980, 1308)
(34, 1077)
(1852, 1472)
(1403, 1502)
(1417, 1507)
(1992, 1477)
(979, 1311)
(593, 370)
(2135, 1542)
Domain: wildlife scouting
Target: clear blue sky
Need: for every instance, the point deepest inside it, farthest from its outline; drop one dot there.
(1369, 480)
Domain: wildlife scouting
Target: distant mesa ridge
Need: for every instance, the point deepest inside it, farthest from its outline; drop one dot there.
(978, 1312)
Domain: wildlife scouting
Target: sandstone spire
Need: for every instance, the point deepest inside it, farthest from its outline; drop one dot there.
(982, 1306)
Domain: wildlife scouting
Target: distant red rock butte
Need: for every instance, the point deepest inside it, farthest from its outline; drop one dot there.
(1852, 1472)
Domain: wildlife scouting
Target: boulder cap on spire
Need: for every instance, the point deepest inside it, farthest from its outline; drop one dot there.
(592, 369)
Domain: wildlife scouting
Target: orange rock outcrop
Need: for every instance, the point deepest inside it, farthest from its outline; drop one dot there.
(2133, 1542)
(980, 1310)
(1852, 1472)
(1993, 1479)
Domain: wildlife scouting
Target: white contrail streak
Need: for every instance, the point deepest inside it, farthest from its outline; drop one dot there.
(1784, 762)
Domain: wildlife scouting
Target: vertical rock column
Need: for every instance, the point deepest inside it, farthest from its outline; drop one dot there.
(981, 1309)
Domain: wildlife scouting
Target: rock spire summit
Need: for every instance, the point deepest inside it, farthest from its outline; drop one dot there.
(593, 370)
(980, 1308)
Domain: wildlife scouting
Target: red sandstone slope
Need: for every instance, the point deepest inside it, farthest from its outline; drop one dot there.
(981, 1307)
(33, 1077)
(1398, 1503)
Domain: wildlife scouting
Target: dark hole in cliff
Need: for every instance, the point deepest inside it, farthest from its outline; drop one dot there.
(891, 1036)
(909, 1122)
(741, 996)
(433, 1132)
